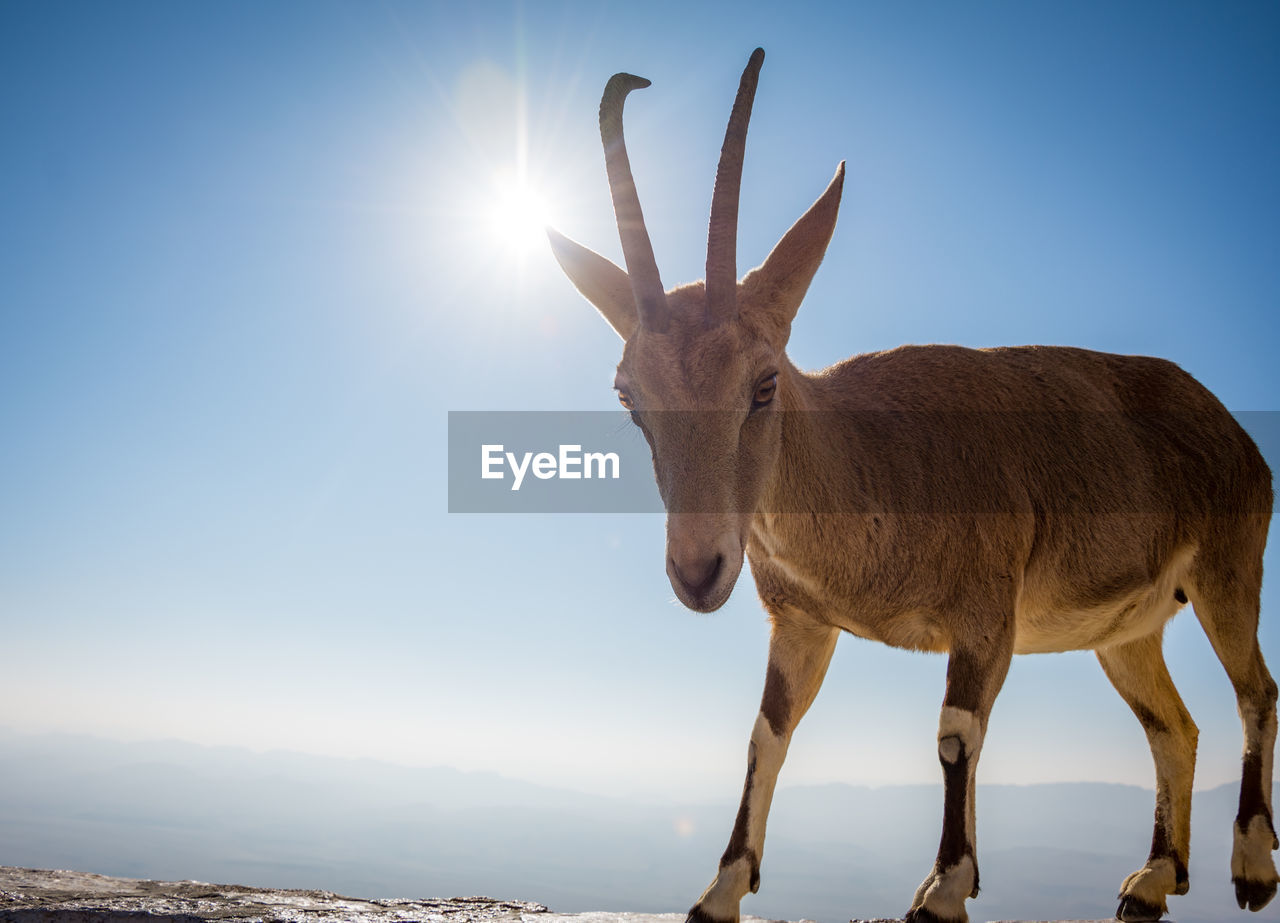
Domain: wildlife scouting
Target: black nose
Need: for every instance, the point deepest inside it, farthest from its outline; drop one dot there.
(700, 576)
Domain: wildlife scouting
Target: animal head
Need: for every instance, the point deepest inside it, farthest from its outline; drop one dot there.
(703, 370)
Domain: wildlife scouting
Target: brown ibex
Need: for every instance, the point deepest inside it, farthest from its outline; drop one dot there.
(978, 502)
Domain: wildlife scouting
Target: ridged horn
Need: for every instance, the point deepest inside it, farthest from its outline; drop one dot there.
(637, 250)
(722, 235)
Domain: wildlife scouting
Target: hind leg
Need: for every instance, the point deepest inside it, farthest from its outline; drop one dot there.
(1138, 672)
(1226, 602)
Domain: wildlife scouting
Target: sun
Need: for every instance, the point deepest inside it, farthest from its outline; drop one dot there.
(517, 213)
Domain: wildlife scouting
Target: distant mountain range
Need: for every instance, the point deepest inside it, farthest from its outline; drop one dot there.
(181, 811)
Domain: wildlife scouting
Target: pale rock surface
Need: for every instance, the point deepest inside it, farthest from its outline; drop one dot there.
(37, 896)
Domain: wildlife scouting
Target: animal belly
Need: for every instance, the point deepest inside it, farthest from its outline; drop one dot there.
(1047, 625)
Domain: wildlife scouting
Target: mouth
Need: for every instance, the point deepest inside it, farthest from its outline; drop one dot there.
(711, 585)
(707, 603)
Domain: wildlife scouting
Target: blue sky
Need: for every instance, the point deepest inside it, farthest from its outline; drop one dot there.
(248, 263)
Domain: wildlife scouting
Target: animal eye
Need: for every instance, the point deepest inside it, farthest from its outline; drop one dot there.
(625, 400)
(765, 391)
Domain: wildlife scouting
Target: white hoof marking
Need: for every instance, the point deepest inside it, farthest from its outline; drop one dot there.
(1152, 883)
(722, 897)
(943, 894)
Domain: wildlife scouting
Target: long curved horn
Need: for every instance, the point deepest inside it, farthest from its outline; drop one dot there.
(637, 250)
(722, 236)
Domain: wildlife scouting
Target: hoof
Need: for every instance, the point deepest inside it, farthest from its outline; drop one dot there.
(1135, 910)
(1252, 869)
(941, 896)
(1142, 896)
(924, 915)
(697, 915)
(1253, 895)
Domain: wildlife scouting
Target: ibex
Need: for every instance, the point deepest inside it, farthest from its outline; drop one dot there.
(977, 502)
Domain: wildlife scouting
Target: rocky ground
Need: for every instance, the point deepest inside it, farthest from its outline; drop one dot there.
(36, 896)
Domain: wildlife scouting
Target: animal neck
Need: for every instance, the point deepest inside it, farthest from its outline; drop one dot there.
(810, 475)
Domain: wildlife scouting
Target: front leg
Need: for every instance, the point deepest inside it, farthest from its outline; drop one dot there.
(974, 676)
(799, 652)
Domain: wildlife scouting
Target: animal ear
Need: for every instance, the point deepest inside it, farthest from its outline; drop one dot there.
(773, 291)
(603, 283)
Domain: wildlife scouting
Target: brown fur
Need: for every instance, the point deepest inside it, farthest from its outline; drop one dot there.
(976, 502)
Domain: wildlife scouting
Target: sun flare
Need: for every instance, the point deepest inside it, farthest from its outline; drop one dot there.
(517, 213)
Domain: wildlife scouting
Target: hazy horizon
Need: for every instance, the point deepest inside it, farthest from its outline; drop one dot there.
(615, 789)
(176, 811)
